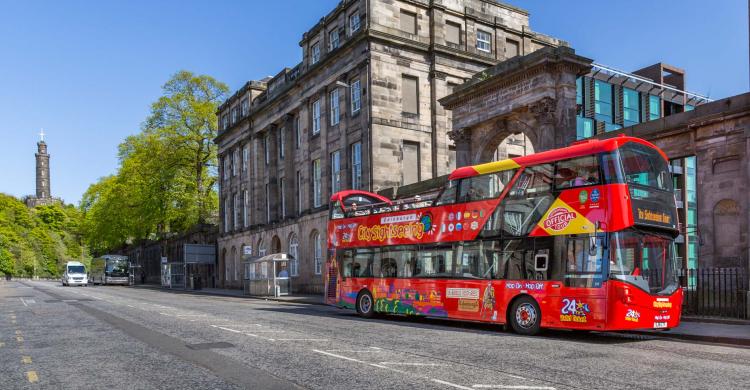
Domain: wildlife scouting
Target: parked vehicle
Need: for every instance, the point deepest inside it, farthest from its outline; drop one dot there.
(75, 274)
(574, 238)
(110, 269)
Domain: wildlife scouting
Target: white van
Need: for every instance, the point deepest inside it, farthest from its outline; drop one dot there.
(75, 274)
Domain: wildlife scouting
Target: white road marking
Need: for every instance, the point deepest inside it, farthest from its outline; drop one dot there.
(451, 384)
(515, 387)
(227, 329)
(341, 356)
(191, 315)
(166, 314)
(413, 364)
(130, 306)
(298, 339)
(24, 302)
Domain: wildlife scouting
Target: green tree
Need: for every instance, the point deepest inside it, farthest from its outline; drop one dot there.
(166, 178)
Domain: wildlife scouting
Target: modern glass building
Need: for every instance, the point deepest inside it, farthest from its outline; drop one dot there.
(608, 99)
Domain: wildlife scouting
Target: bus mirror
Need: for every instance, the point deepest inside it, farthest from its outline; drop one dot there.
(540, 262)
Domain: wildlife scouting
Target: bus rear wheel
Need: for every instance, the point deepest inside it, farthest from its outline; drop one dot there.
(365, 305)
(525, 316)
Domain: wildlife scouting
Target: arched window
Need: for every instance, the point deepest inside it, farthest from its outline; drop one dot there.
(294, 254)
(261, 248)
(317, 253)
(223, 264)
(230, 265)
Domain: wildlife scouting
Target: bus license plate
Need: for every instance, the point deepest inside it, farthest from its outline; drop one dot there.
(658, 325)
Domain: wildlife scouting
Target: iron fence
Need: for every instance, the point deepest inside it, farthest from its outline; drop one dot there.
(715, 292)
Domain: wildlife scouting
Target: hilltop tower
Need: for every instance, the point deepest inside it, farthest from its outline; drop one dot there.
(43, 192)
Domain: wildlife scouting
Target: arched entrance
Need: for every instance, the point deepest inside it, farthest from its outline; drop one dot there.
(533, 95)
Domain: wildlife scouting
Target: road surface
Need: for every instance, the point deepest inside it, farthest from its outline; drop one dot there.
(139, 338)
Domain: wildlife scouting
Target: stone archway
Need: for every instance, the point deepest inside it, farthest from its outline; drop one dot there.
(275, 245)
(534, 95)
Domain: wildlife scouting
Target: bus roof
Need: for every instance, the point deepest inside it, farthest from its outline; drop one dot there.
(576, 149)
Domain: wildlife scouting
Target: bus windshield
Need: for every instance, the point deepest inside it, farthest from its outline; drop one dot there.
(76, 269)
(117, 267)
(645, 166)
(645, 260)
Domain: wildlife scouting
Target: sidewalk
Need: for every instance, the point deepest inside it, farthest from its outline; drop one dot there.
(737, 332)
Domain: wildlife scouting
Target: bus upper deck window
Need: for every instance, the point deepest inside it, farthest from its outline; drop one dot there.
(577, 172)
(448, 196)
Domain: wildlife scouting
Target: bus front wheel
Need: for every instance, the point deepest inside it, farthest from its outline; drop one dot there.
(525, 316)
(365, 304)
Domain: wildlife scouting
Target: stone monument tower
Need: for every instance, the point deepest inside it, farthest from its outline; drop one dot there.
(43, 192)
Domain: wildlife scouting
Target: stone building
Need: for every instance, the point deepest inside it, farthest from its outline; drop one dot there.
(360, 111)
(43, 192)
(554, 97)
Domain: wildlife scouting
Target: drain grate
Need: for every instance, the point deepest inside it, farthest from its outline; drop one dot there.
(203, 346)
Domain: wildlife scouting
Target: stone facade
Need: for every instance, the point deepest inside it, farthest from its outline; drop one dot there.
(281, 158)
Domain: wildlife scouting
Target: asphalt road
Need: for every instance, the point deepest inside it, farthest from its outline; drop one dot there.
(135, 338)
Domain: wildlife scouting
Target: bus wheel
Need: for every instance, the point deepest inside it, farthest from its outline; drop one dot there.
(525, 316)
(365, 304)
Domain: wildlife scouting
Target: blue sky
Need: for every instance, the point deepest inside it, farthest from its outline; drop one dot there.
(87, 71)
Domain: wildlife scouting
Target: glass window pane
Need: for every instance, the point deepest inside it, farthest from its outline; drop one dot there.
(582, 171)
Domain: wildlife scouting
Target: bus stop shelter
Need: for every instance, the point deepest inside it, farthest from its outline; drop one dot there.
(267, 276)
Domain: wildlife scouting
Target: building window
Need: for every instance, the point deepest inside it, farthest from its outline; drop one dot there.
(245, 209)
(315, 53)
(299, 192)
(484, 41)
(236, 271)
(335, 172)
(512, 48)
(237, 210)
(225, 122)
(410, 94)
(316, 175)
(281, 143)
(316, 117)
(654, 107)
(584, 128)
(298, 132)
(333, 40)
(255, 156)
(357, 166)
(408, 22)
(354, 23)
(410, 172)
(356, 96)
(282, 190)
(453, 33)
(602, 101)
(266, 149)
(294, 254)
(245, 158)
(244, 107)
(227, 214)
(335, 107)
(234, 115)
(579, 94)
(317, 253)
(268, 204)
(227, 167)
(631, 107)
(235, 161)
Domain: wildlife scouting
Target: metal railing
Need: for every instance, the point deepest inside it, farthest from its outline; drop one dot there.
(715, 292)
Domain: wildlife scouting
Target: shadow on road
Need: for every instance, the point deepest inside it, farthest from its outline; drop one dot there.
(585, 337)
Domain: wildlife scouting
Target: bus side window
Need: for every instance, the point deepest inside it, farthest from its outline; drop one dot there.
(344, 259)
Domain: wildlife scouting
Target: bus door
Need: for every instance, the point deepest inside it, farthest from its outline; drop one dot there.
(526, 267)
(471, 293)
(582, 302)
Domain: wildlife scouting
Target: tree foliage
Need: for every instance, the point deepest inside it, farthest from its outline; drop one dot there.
(38, 241)
(166, 181)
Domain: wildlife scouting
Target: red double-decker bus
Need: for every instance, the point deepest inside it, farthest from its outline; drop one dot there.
(580, 237)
